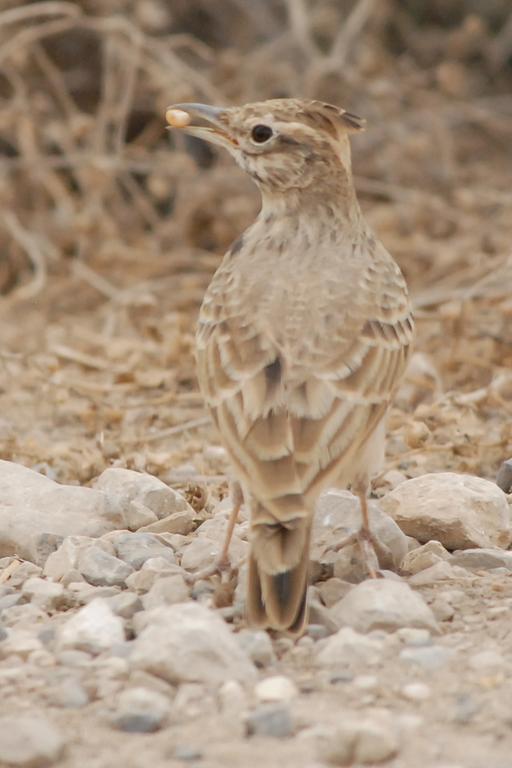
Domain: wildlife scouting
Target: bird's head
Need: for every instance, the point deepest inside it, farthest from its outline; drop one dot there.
(284, 144)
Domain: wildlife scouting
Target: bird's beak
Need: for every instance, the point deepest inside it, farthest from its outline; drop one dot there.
(191, 119)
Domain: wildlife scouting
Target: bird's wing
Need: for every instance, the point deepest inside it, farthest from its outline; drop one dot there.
(295, 416)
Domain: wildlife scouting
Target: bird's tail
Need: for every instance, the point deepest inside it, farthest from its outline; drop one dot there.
(278, 573)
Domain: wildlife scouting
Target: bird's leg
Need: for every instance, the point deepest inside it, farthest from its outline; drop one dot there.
(364, 538)
(222, 563)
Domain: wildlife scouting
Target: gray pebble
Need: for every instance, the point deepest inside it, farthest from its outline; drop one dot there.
(140, 710)
(270, 720)
(29, 741)
(187, 753)
(504, 476)
(101, 569)
(429, 657)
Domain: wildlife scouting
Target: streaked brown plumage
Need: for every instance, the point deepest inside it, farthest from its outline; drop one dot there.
(303, 336)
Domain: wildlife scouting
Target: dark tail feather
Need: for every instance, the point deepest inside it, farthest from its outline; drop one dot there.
(279, 600)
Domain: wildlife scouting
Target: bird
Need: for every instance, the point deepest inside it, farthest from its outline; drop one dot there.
(303, 337)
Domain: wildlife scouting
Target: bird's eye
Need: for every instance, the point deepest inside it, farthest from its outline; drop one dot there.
(261, 133)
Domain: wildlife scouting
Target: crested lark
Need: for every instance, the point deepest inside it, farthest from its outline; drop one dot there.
(303, 337)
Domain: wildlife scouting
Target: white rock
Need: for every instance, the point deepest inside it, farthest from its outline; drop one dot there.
(153, 570)
(332, 590)
(36, 513)
(136, 548)
(101, 569)
(203, 551)
(166, 591)
(46, 594)
(441, 571)
(347, 648)
(179, 522)
(69, 694)
(232, 698)
(423, 557)
(143, 498)
(337, 515)
(416, 692)
(64, 561)
(429, 657)
(190, 643)
(383, 604)
(483, 559)
(140, 710)
(366, 740)
(125, 604)
(414, 637)
(365, 682)
(29, 741)
(460, 511)
(19, 642)
(487, 660)
(94, 628)
(276, 688)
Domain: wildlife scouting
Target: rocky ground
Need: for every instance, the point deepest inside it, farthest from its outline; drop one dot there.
(109, 657)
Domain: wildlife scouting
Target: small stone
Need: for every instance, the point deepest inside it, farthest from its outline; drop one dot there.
(73, 658)
(181, 523)
(317, 632)
(101, 569)
(23, 571)
(19, 642)
(94, 628)
(142, 497)
(365, 682)
(125, 604)
(366, 741)
(136, 548)
(440, 571)
(383, 604)
(203, 551)
(430, 657)
(486, 660)
(270, 720)
(347, 648)
(69, 694)
(37, 513)
(277, 688)
(187, 753)
(442, 609)
(152, 571)
(82, 592)
(257, 645)
(460, 511)
(333, 590)
(416, 692)
(29, 741)
(46, 594)
(140, 710)
(166, 591)
(423, 557)
(485, 559)
(232, 698)
(416, 638)
(188, 642)
(504, 476)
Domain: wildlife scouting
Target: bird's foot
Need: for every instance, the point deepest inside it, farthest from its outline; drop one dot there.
(221, 567)
(369, 547)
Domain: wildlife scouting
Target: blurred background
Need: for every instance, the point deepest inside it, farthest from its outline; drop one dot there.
(110, 227)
